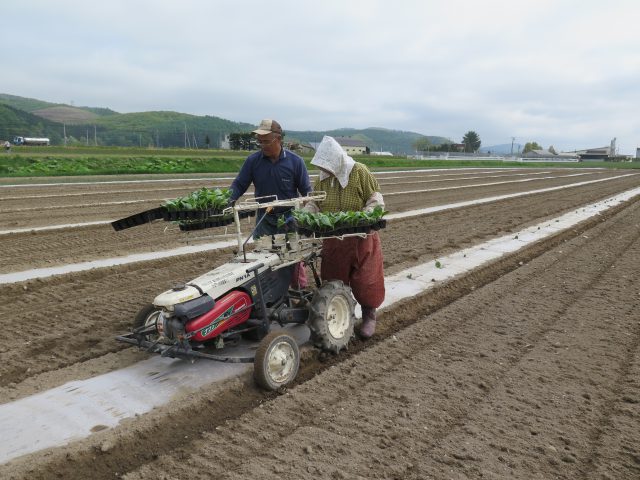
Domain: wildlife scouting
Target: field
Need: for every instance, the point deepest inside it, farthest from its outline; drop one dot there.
(526, 367)
(25, 161)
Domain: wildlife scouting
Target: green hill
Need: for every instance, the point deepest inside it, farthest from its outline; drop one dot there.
(15, 122)
(159, 129)
(377, 139)
(24, 104)
(102, 126)
(67, 115)
(55, 112)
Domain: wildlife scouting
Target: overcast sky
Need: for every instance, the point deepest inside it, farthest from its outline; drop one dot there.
(560, 72)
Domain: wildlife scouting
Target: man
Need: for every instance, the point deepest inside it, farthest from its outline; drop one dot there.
(276, 172)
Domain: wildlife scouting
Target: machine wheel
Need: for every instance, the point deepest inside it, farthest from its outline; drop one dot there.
(331, 317)
(277, 360)
(148, 315)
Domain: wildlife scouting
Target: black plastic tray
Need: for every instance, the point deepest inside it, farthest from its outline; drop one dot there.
(207, 223)
(343, 230)
(212, 222)
(206, 217)
(138, 219)
(171, 216)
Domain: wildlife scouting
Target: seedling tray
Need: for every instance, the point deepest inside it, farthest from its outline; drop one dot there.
(175, 215)
(138, 219)
(343, 230)
(207, 223)
(213, 221)
(201, 218)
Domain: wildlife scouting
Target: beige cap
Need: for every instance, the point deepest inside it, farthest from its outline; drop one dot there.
(268, 126)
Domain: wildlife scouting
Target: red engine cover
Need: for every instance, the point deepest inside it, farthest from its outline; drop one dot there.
(221, 317)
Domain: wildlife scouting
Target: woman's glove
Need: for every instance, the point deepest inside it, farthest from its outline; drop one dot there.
(374, 201)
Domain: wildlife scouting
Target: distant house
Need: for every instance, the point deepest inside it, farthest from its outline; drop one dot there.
(548, 156)
(225, 144)
(300, 147)
(600, 153)
(538, 154)
(568, 156)
(352, 146)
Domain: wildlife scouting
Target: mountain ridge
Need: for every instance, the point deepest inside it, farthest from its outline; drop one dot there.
(163, 128)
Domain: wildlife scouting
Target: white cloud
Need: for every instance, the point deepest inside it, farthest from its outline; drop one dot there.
(558, 72)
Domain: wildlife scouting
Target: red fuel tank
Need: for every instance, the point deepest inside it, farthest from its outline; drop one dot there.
(221, 317)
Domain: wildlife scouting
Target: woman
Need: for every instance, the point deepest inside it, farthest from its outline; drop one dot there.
(356, 261)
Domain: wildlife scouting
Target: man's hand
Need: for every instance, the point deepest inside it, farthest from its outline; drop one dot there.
(290, 224)
(230, 204)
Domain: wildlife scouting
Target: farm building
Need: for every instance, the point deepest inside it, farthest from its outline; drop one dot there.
(538, 154)
(352, 146)
(600, 153)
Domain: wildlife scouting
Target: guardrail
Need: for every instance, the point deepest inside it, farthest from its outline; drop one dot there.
(546, 159)
(446, 156)
(500, 158)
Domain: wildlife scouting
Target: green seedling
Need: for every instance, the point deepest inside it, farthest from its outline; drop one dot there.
(337, 220)
(203, 199)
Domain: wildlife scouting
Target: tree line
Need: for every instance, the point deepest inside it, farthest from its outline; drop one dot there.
(470, 144)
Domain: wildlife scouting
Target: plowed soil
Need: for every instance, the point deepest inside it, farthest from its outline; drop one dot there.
(526, 368)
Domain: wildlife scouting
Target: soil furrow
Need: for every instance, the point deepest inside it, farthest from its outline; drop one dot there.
(93, 242)
(434, 197)
(329, 444)
(526, 368)
(548, 417)
(88, 309)
(440, 412)
(13, 200)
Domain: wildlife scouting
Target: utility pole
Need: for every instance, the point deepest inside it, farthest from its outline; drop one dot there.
(512, 140)
(87, 137)
(64, 133)
(95, 136)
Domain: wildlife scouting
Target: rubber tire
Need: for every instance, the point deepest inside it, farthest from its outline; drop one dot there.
(143, 316)
(277, 342)
(326, 334)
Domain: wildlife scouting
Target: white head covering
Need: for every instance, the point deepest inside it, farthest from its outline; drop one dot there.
(330, 156)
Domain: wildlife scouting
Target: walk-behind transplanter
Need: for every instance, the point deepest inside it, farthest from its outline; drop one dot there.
(248, 298)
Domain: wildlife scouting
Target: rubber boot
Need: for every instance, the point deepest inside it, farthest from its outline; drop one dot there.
(368, 326)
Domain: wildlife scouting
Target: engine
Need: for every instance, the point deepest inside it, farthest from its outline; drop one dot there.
(204, 317)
